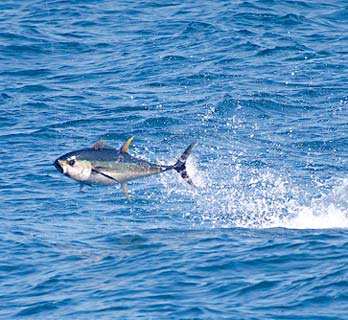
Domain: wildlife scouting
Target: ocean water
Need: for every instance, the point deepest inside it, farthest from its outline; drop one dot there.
(260, 85)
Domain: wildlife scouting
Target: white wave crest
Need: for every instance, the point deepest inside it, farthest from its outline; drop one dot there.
(260, 198)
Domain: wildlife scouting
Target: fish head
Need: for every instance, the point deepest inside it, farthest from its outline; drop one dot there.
(72, 166)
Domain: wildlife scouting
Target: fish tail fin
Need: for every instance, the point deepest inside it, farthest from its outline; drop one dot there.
(180, 165)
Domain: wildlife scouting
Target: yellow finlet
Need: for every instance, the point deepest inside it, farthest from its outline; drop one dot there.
(125, 147)
(125, 190)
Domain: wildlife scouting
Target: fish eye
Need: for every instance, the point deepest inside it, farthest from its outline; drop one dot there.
(71, 162)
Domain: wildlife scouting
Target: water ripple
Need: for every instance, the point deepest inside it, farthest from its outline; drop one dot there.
(261, 86)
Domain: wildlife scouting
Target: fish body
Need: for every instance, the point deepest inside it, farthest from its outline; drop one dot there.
(105, 165)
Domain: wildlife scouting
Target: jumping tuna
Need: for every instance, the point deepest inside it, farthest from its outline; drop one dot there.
(102, 164)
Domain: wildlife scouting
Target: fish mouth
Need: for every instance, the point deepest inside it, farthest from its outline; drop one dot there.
(58, 166)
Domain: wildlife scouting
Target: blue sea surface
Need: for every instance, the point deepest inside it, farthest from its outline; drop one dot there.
(260, 85)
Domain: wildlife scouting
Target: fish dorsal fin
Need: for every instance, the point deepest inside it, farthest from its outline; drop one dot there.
(99, 144)
(126, 145)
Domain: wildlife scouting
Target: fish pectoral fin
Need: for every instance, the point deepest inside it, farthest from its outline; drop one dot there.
(82, 185)
(126, 145)
(95, 170)
(125, 190)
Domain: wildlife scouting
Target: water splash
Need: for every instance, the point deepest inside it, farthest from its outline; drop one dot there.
(237, 196)
(329, 211)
